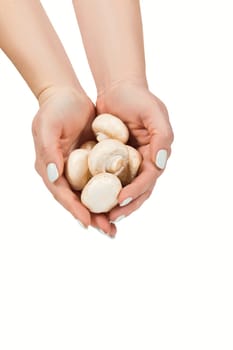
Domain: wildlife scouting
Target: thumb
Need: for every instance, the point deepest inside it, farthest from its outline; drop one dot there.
(49, 153)
(160, 141)
(53, 161)
(160, 150)
(54, 168)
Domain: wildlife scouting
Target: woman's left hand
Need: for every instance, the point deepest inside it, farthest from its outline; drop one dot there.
(151, 133)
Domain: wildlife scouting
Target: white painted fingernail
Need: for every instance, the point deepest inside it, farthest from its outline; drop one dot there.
(126, 201)
(101, 231)
(52, 172)
(81, 224)
(118, 219)
(161, 159)
(104, 233)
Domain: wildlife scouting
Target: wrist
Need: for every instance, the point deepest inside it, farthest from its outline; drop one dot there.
(53, 90)
(118, 91)
(128, 79)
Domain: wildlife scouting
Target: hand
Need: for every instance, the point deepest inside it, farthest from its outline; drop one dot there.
(148, 122)
(63, 122)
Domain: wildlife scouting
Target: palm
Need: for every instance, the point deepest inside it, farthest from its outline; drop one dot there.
(147, 120)
(63, 123)
(69, 118)
(134, 106)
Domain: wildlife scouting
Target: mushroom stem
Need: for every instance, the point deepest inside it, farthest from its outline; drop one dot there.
(88, 145)
(101, 136)
(108, 156)
(114, 164)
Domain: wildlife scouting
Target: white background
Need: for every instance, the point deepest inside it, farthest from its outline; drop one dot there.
(165, 282)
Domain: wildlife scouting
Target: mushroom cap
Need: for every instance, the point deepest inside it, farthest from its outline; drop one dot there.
(108, 156)
(135, 160)
(76, 170)
(101, 192)
(108, 126)
(88, 145)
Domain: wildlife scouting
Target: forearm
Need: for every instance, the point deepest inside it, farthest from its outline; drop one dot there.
(113, 39)
(29, 40)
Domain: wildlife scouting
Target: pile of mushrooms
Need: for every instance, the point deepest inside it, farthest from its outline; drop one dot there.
(100, 169)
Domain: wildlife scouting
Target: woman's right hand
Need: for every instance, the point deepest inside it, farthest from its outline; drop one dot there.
(63, 122)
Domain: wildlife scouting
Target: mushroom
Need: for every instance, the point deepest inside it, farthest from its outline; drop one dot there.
(76, 170)
(88, 145)
(108, 126)
(109, 156)
(100, 170)
(135, 160)
(101, 192)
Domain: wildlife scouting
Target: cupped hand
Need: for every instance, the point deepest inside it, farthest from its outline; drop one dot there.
(150, 132)
(63, 122)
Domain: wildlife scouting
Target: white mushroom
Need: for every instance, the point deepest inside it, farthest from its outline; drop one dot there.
(88, 145)
(101, 192)
(109, 156)
(107, 126)
(76, 171)
(135, 160)
(112, 164)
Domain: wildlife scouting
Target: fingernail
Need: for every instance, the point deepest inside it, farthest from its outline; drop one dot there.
(104, 233)
(81, 224)
(118, 219)
(161, 159)
(126, 201)
(101, 231)
(52, 172)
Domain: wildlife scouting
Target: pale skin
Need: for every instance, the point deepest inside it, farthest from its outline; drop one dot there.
(66, 112)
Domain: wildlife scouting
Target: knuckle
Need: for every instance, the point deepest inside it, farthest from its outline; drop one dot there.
(36, 166)
(138, 203)
(44, 149)
(172, 136)
(68, 204)
(55, 196)
(160, 105)
(168, 135)
(163, 107)
(34, 127)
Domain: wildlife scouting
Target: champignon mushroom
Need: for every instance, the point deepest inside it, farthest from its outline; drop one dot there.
(88, 145)
(109, 156)
(76, 170)
(107, 126)
(135, 160)
(101, 192)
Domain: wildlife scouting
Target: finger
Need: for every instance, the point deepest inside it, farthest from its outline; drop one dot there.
(69, 200)
(66, 197)
(145, 180)
(119, 213)
(102, 223)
